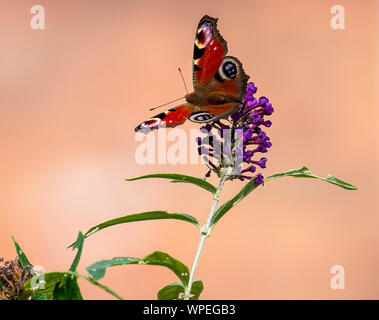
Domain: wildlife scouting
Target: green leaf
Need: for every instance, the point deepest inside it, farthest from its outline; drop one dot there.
(222, 210)
(196, 290)
(78, 275)
(144, 216)
(21, 255)
(51, 279)
(39, 296)
(25, 262)
(59, 285)
(97, 270)
(180, 178)
(173, 291)
(77, 245)
(67, 289)
(305, 173)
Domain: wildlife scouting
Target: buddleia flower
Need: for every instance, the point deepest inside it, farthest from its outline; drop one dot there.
(238, 143)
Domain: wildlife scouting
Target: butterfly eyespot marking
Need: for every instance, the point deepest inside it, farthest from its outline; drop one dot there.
(229, 69)
(201, 117)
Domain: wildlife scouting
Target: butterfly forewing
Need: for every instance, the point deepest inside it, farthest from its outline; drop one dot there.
(210, 49)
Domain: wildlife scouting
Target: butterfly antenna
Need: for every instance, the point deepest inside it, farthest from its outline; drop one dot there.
(166, 104)
(185, 86)
(181, 74)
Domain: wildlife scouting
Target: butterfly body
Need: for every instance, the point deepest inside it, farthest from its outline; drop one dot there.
(219, 82)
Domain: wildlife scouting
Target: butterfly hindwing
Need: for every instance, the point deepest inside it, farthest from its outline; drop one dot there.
(170, 118)
(230, 80)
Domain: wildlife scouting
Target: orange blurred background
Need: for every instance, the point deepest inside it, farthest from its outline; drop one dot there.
(71, 96)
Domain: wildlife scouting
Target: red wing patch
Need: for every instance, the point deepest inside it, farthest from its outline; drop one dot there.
(169, 118)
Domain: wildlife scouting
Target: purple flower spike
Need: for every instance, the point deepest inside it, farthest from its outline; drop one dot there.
(242, 148)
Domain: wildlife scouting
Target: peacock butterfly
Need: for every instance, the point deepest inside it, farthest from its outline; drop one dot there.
(219, 82)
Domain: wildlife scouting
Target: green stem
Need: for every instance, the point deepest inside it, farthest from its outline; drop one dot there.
(205, 233)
